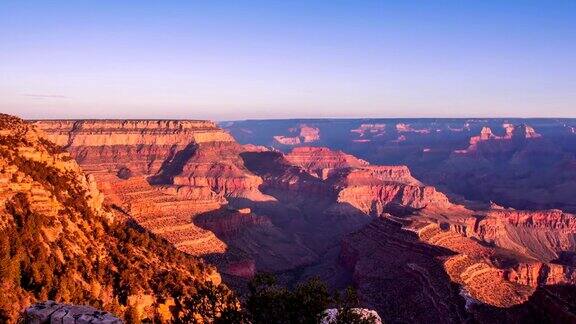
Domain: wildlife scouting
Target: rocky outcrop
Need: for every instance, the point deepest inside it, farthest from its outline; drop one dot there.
(138, 145)
(304, 134)
(473, 267)
(162, 173)
(192, 191)
(490, 143)
(217, 166)
(321, 161)
(287, 140)
(60, 239)
(331, 315)
(50, 312)
(376, 189)
(279, 174)
(550, 219)
(368, 131)
(391, 256)
(549, 236)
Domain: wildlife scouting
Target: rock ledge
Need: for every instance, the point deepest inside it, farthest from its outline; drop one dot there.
(53, 312)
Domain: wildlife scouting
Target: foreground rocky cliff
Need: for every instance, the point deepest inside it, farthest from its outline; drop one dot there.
(52, 312)
(59, 241)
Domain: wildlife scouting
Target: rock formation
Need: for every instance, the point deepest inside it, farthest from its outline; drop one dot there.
(305, 134)
(177, 169)
(367, 131)
(183, 181)
(548, 235)
(321, 161)
(52, 313)
(59, 240)
(489, 142)
(330, 315)
(375, 189)
(439, 260)
(521, 169)
(407, 128)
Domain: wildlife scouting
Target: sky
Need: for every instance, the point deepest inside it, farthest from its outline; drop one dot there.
(226, 60)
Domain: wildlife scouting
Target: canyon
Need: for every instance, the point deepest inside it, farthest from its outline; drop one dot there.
(415, 252)
(513, 162)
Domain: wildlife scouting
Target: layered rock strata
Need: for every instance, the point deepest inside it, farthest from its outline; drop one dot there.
(321, 161)
(183, 180)
(60, 240)
(162, 173)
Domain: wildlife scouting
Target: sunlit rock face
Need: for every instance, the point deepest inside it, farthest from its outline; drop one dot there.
(161, 172)
(504, 275)
(139, 145)
(185, 181)
(321, 161)
(60, 239)
(301, 134)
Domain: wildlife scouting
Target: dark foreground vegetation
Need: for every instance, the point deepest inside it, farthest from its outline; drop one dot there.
(270, 302)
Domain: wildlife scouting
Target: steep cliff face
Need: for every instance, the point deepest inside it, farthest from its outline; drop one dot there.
(321, 161)
(401, 277)
(396, 261)
(284, 180)
(58, 241)
(218, 166)
(548, 235)
(183, 180)
(162, 173)
(375, 189)
(141, 146)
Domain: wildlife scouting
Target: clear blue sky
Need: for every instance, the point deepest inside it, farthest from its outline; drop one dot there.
(290, 58)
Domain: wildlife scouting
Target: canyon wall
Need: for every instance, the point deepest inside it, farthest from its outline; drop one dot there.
(60, 240)
(171, 177)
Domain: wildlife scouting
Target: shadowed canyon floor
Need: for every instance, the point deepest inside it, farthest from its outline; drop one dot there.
(414, 254)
